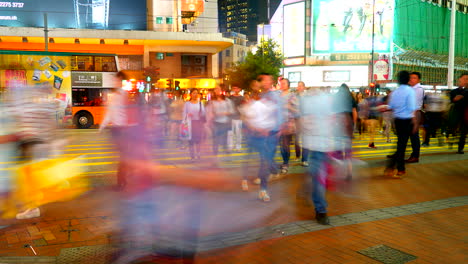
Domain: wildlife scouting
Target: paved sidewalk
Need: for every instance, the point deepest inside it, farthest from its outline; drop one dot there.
(434, 232)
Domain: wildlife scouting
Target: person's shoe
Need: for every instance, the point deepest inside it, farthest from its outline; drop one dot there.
(425, 145)
(284, 169)
(305, 164)
(263, 195)
(245, 185)
(399, 174)
(412, 160)
(257, 181)
(389, 141)
(322, 218)
(460, 152)
(276, 176)
(371, 145)
(389, 172)
(30, 213)
(392, 156)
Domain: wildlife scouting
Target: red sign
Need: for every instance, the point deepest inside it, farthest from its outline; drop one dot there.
(15, 78)
(381, 70)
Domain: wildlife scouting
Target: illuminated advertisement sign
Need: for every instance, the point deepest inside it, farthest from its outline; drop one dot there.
(90, 14)
(294, 28)
(381, 70)
(346, 26)
(193, 6)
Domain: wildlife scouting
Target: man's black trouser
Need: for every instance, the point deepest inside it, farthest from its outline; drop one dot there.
(434, 122)
(403, 129)
(415, 141)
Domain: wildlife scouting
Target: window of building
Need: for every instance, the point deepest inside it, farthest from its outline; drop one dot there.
(194, 65)
(160, 56)
(131, 62)
(159, 20)
(228, 53)
(169, 20)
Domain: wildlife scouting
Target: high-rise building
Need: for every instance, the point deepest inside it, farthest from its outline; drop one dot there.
(243, 16)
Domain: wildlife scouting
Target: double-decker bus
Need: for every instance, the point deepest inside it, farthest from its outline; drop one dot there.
(81, 82)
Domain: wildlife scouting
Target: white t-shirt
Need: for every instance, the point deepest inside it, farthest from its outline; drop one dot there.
(319, 127)
(194, 110)
(260, 114)
(219, 107)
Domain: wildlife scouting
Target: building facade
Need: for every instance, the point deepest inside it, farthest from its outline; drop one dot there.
(328, 42)
(235, 53)
(155, 33)
(243, 16)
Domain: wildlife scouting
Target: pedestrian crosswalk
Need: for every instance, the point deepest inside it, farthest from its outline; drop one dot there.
(100, 156)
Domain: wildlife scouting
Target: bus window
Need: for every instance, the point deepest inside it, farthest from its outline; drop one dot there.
(93, 63)
(90, 96)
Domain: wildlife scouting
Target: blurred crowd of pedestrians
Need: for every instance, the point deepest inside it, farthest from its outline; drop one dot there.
(318, 124)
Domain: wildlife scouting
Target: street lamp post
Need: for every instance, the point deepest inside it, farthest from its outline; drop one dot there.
(451, 58)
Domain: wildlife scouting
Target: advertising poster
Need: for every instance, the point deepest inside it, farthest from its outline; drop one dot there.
(294, 28)
(34, 70)
(381, 70)
(346, 26)
(91, 14)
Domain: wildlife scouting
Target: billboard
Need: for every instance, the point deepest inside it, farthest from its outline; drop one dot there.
(346, 26)
(294, 29)
(38, 70)
(89, 14)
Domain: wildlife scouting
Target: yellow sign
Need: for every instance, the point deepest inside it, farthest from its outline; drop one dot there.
(189, 83)
(31, 70)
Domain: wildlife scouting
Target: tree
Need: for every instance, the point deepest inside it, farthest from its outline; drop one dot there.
(266, 59)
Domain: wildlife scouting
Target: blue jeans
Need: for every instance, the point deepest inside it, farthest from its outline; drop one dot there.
(220, 136)
(162, 219)
(318, 171)
(266, 147)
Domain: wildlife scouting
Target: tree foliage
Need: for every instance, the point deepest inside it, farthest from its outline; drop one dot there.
(266, 59)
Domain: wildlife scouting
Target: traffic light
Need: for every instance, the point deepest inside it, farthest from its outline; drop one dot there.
(177, 85)
(169, 83)
(148, 78)
(372, 85)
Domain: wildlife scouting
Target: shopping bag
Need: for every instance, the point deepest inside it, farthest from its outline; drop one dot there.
(230, 139)
(185, 131)
(46, 181)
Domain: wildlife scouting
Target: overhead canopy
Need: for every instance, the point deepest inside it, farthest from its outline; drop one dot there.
(131, 41)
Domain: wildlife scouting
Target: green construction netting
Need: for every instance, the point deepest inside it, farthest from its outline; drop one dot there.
(424, 26)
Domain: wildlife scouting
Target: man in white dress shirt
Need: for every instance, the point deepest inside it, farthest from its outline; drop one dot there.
(415, 83)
